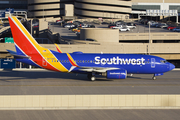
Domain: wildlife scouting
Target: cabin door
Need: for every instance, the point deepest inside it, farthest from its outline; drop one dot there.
(153, 62)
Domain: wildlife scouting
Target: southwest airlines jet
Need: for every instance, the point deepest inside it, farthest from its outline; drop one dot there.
(113, 66)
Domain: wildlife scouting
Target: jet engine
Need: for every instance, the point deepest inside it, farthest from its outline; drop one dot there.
(116, 74)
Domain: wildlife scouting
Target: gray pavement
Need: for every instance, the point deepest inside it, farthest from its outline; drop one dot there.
(64, 32)
(54, 83)
(90, 115)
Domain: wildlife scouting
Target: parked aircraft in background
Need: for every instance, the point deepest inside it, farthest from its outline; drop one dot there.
(113, 66)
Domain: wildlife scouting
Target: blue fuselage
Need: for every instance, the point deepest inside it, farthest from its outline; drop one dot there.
(132, 63)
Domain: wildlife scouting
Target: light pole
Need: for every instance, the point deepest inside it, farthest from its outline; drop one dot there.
(149, 39)
(31, 27)
(138, 22)
(177, 17)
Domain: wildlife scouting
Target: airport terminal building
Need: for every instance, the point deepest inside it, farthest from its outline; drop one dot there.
(97, 8)
(89, 8)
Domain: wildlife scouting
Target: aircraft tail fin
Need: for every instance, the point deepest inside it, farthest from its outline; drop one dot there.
(27, 46)
(24, 42)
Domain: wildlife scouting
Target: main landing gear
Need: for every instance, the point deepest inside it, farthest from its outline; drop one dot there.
(154, 77)
(91, 77)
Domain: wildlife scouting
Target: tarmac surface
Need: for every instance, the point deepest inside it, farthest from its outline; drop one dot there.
(43, 82)
(90, 115)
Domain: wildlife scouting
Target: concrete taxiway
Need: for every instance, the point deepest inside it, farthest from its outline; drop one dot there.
(42, 82)
(90, 115)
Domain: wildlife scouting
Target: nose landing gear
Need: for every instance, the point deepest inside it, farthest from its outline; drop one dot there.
(157, 74)
(154, 77)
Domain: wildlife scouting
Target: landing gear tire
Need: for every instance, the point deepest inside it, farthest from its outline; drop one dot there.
(154, 78)
(93, 78)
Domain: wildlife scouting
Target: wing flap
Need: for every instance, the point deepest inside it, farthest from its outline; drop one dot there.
(96, 69)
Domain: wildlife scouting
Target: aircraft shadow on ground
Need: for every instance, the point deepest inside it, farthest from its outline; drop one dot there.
(18, 75)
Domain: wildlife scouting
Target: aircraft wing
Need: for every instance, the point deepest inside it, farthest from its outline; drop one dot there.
(96, 69)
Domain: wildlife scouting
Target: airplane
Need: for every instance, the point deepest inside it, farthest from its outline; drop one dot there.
(113, 66)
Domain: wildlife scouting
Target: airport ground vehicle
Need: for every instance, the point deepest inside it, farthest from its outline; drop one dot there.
(91, 26)
(73, 27)
(104, 23)
(153, 24)
(119, 22)
(117, 27)
(163, 25)
(76, 29)
(171, 27)
(158, 25)
(36, 26)
(111, 25)
(130, 25)
(124, 29)
(113, 66)
(59, 21)
(177, 29)
(68, 25)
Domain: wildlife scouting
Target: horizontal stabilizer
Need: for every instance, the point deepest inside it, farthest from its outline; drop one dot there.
(58, 49)
(16, 55)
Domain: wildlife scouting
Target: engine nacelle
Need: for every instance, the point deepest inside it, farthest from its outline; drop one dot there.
(116, 74)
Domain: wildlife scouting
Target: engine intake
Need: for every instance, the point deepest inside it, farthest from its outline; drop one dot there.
(116, 74)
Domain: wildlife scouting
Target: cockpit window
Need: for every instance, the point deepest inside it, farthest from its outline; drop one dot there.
(163, 61)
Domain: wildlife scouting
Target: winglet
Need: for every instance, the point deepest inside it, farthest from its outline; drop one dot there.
(58, 49)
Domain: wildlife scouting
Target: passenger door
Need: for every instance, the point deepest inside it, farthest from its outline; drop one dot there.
(153, 62)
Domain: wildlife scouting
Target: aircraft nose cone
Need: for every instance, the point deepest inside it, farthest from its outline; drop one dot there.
(171, 66)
